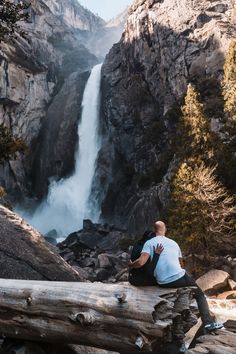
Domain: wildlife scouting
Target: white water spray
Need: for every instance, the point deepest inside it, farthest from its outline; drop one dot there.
(67, 202)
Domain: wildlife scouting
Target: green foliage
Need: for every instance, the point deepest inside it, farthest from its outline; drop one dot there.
(227, 151)
(229, 83)
(193, 133)
(10, 15)
(9, 145)
(2, 192)
(201, 213)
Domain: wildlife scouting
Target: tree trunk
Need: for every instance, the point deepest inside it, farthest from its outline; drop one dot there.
(116, 317)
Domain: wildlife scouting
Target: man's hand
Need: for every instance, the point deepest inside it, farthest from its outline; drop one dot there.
(139, 262)
(159, 249)
(130, 264)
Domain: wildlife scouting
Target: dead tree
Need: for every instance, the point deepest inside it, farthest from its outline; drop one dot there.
(116, 317)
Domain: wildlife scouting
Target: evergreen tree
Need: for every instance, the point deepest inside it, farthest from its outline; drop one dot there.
(10, 14)
(10, 145)
(194, 139)
(227, 151)
(229, 83)
(202, 215)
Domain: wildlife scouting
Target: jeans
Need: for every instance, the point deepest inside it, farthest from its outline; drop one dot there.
(203, 307)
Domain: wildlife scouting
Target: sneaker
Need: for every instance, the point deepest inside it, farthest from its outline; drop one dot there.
(183, 348)
(214, 326)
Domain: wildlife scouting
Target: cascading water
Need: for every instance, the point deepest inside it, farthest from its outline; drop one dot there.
(67, 202)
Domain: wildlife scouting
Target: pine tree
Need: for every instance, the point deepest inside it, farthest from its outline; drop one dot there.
(229, 83)
(10, 145)
(202, 215)
(194, 139)
(226, 154)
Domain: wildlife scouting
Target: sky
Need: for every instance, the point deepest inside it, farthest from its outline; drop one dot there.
(106, 9)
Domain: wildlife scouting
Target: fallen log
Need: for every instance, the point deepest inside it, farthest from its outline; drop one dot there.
(116, 317)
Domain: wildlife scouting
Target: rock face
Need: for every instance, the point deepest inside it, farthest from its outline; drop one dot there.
(37, 73)
(24, 253)
(42, 79)
(165, 45)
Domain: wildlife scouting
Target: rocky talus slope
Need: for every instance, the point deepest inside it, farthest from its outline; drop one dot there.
(166, 44)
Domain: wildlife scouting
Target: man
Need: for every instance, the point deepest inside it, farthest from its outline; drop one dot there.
(169, 271)
(144, 276)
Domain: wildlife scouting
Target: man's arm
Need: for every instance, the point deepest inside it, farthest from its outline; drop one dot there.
(140, 261)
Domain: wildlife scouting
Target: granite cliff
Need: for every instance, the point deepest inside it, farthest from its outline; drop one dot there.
(166, 44)
(42, 79)
(144, 79)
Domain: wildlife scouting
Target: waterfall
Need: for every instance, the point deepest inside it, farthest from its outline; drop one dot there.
(67, 202)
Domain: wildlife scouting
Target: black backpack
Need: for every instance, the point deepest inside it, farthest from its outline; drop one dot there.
(143, 276)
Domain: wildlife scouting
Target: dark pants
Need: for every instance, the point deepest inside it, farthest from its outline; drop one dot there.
(203, 307)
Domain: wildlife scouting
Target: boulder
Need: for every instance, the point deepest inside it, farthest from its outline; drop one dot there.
(25, 254)
(96, 236)
(227, 295)
(51, 237)
(234, 274)
(104, 261)
(102, 274)
(97, 249)
(83, 272)
(213, 280)
(21, 347)
(223, 343)
(232, 284)
(221, 8)
(89, 262)
(226, 268)
(79, 349)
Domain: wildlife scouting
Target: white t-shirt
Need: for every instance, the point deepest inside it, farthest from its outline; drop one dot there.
(168, 268)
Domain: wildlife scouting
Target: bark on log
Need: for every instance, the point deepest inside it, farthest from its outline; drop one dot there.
(115, 317)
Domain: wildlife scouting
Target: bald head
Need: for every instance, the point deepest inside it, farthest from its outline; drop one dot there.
(160, 228)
